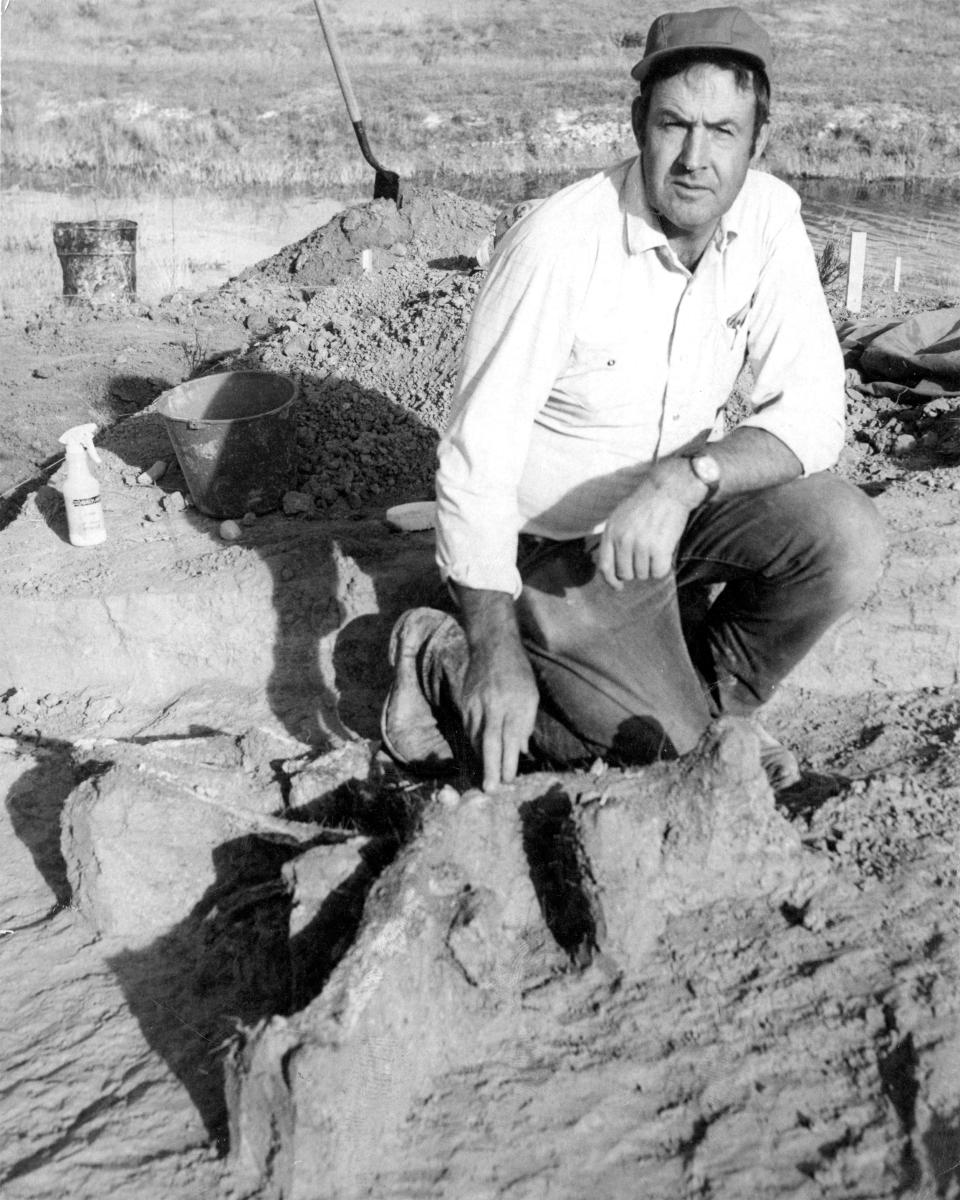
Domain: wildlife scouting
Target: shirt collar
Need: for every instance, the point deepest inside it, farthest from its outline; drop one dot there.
(642, 228)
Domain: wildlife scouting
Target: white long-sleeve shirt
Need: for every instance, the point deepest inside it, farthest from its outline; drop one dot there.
(593, 352)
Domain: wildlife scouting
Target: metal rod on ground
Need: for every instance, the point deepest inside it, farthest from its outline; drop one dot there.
(856, 263)
(897, 263)
(386, 184)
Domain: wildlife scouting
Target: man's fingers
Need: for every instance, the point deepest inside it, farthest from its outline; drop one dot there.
(514, 743)
(606, 564)
(661, 564)
(505, 737)
(473, 720)
(492, 754)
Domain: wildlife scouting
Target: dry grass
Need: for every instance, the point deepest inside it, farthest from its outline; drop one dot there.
(127, 94)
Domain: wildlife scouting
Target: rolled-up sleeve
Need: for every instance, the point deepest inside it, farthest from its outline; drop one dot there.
(517, 344)
(798, 393)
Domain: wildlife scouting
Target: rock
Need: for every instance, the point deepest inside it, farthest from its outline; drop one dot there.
(229, 531)
(174, 502)
(451, 936)
(673, 838)
(464, 952)
(149, 834)
(315, 778)
(328, 887)
(258, 324)
(297, 502)
(153, 473)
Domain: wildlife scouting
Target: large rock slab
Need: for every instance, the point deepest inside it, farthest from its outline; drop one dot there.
(474, 938)
(155, 831)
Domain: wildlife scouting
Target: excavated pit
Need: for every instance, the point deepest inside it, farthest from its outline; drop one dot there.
(610, 983)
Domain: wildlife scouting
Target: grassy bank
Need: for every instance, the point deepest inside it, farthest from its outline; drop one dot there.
(122, 94)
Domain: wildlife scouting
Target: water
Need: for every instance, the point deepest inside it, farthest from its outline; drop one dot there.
(201, 242)
(922, 227)
(919, 224)
(182, 242)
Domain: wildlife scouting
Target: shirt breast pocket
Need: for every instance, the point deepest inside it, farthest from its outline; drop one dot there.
(595, 375)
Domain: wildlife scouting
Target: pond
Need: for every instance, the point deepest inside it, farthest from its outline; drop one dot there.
(196, 243)
(919, 224)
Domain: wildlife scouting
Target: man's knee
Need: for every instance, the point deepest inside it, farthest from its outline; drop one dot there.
(850, 539)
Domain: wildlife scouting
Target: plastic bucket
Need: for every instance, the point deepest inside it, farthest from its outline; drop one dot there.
(98, 259)
(234, 437)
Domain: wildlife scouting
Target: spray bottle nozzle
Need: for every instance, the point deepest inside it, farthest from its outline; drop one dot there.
(80, 437)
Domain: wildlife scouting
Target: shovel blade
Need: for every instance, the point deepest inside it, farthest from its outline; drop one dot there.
(386, 186)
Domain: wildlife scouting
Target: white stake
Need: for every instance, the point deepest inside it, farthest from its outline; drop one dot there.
(855, 268)
(896, 273)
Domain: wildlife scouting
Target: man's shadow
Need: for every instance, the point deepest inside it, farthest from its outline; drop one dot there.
(337, 587)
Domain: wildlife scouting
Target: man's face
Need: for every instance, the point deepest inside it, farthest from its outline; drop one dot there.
(696, 148)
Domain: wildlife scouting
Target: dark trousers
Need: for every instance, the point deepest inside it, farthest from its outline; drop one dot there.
(637, 674)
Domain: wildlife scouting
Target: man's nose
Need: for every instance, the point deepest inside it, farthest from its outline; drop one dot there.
(693, 152)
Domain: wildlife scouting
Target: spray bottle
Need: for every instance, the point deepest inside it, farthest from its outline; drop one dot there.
(81, 492)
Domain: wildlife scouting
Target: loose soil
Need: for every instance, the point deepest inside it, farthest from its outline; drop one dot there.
(188, 751)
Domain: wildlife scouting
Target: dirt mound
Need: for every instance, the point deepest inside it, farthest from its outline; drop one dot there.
(432, 225)
(369, 313)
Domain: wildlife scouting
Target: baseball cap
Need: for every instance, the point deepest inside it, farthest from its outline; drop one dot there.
(729, 29)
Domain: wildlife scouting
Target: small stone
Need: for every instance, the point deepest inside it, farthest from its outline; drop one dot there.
(297, 502)
(249, 519)
(258, 323)
(904, 444)
(152, 474)
(230, 531)
(174, 502)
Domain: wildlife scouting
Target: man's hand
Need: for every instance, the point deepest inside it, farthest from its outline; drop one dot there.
(500, 695)
(643, 531)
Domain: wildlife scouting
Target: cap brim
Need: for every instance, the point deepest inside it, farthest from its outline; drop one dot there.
(645, 65)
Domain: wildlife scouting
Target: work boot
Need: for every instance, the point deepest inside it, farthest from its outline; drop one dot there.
(428, 652)
(779, 764)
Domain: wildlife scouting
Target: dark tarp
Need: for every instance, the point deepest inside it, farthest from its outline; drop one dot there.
(918, 358)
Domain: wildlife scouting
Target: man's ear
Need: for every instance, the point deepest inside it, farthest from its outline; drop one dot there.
(635, 118)
(763, 136)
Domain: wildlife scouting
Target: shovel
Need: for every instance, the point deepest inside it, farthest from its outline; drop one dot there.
(386, 184)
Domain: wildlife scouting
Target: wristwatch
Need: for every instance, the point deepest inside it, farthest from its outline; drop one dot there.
(707, 470)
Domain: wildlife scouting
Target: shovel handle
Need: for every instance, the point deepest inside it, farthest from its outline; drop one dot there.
(339, 66)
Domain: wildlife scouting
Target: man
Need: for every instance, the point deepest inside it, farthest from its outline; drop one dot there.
(590, 505)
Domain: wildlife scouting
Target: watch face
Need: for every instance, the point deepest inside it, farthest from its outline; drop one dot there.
(706, 469)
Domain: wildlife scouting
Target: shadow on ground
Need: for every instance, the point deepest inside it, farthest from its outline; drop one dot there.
(229, 961)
